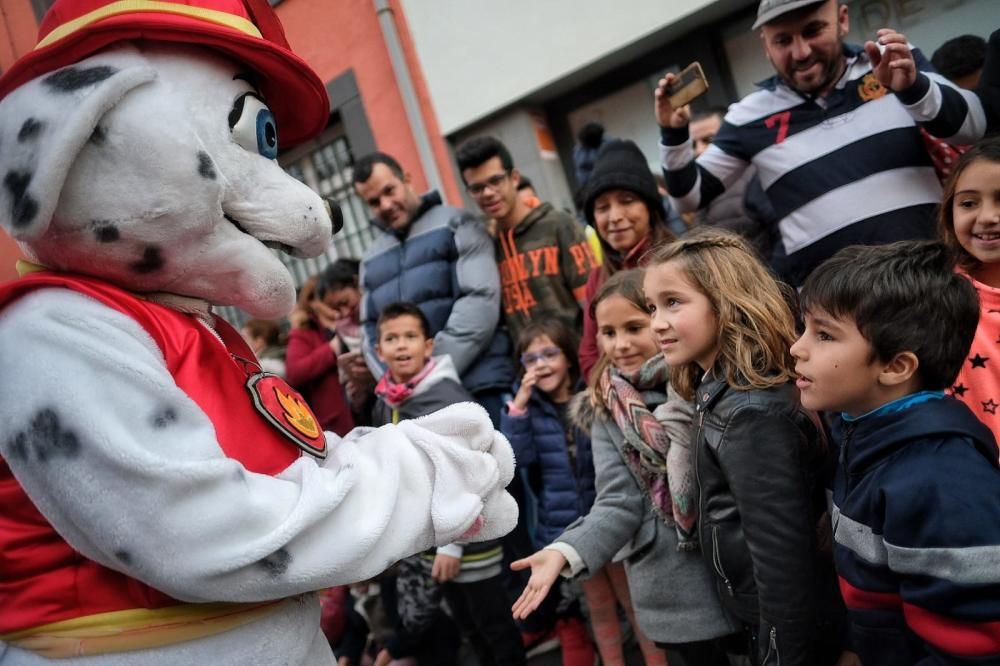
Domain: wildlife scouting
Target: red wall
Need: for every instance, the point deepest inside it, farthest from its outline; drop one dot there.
(336, 36)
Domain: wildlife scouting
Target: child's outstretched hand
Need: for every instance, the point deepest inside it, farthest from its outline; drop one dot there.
(545, 567)
(528, 382)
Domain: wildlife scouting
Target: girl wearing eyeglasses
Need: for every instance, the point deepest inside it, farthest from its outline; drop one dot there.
(554, 457)
(555, 451)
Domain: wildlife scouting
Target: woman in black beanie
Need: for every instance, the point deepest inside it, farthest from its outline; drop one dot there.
(623, 204)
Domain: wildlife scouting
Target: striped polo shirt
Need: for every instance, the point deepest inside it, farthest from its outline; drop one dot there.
(847, 168)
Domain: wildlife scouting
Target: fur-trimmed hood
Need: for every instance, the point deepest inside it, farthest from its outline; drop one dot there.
(582, 411)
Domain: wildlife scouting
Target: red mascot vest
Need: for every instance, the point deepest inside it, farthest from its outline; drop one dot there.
(259, 420)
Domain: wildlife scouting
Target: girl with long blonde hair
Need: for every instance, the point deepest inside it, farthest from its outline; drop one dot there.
(725, 326)
(644, 512)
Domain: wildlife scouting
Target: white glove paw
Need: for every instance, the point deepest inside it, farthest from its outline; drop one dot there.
(472, 466)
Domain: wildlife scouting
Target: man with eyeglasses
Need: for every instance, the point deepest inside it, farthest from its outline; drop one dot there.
(441, 259)
(543, 254)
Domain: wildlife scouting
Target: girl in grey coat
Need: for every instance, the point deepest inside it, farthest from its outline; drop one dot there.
(673, 593)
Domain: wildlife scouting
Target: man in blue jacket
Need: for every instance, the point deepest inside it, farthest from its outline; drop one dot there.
(441, 259)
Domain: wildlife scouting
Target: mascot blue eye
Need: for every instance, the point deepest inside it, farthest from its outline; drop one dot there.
(267, 134)
(253, 126)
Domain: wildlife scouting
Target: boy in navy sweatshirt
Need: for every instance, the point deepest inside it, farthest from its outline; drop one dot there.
(916, 496)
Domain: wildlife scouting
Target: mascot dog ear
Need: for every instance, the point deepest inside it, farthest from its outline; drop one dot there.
(43, 126)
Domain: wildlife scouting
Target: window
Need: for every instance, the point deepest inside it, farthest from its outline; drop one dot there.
(327, 167)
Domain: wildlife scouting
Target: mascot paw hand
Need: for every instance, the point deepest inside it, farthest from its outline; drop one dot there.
(472, 464)
(497, 519)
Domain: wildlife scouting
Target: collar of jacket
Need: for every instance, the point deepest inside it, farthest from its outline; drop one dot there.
(709, 391)
(427, 201)
(536, 213)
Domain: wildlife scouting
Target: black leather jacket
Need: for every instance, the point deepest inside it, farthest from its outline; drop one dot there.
(759, 461)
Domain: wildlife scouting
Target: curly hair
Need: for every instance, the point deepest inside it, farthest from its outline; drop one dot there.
(753, 312)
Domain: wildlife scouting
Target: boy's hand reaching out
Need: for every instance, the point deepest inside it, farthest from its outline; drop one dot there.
(445, 567)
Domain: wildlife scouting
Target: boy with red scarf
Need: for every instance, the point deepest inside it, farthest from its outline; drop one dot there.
(469, 574)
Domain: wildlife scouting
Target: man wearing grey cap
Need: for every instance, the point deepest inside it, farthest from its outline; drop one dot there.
(835, 136)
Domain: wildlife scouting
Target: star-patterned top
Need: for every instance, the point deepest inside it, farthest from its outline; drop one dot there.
(978, 382)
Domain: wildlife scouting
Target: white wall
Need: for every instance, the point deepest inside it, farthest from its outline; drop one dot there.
(481, 55)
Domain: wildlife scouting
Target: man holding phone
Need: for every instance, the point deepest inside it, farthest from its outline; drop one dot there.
(834, 136)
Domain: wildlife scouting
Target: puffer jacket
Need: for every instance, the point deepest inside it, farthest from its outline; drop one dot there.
(759, 461)
(563, 484)
(443, 262)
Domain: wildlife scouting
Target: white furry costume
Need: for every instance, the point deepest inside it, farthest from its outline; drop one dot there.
(137, 166)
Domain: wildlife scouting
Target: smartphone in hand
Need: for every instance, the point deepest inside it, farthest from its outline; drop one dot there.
(689, 85)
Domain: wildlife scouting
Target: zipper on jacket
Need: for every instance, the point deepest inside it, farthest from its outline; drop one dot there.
(772, 649)
(717, 561)
(845, 461)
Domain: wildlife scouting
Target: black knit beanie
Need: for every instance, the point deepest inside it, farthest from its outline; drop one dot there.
(621, 166)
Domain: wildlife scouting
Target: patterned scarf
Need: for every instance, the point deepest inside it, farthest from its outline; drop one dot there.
(660, 459)
(396, 394)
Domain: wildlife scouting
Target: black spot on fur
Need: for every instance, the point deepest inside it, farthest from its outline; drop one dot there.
(205, 167)
(106, 232)
(45, 438)
(24, 207)
(164, 417)
(152, 261)
(123, 556)
(18, 445)
(30, 129)
(69, 79)
(98, 136)
(276, 563)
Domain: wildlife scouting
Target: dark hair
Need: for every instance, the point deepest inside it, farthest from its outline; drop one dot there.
(960, 56)
(591, 135)
(340, 274)
(363, 167)
(264, 328)
(628, 285)
(403, 309)
(904, 296)
(989, 150)
(524, 183)
(560, 334)
(708, 113)
(474, 152)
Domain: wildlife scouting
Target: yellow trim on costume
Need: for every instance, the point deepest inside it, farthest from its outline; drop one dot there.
(25, 267)
(395, 416)
(138, 629)
(135, 6)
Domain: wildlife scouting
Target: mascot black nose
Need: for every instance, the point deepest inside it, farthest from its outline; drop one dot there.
(336, 215)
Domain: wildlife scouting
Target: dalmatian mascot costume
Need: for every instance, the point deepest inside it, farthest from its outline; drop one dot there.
(164, 501)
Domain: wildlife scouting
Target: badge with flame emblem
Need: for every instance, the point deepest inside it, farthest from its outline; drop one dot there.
(285, 409)
(870, 88)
